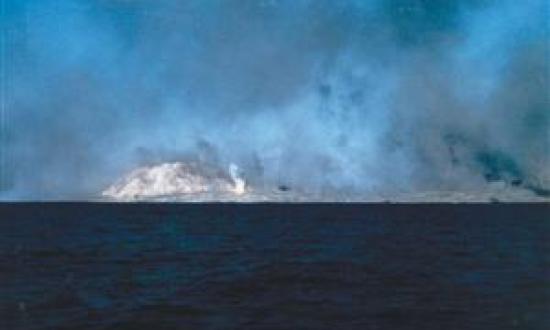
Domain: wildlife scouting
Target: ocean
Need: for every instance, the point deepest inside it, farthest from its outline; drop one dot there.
(274, 266)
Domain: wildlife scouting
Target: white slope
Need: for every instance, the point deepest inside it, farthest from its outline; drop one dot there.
(175, 179)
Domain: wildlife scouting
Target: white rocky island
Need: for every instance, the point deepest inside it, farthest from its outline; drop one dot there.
(176, 180)
(194, 182)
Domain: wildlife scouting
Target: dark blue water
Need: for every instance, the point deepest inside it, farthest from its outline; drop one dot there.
(167, 266)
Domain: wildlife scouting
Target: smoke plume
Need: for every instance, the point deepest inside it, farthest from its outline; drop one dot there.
(352, 96)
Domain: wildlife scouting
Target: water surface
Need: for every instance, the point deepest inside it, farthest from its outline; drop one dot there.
(274, 266)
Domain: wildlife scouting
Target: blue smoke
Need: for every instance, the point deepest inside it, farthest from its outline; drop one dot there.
(351, 96)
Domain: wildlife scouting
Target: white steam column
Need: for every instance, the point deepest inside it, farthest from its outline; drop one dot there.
(239, 187)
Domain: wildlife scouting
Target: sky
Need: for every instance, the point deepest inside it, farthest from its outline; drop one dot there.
(350, 95)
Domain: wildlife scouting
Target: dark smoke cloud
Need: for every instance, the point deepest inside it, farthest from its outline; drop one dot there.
(340, 95)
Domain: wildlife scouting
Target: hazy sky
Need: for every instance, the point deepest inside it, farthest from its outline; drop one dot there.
(358, 95)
